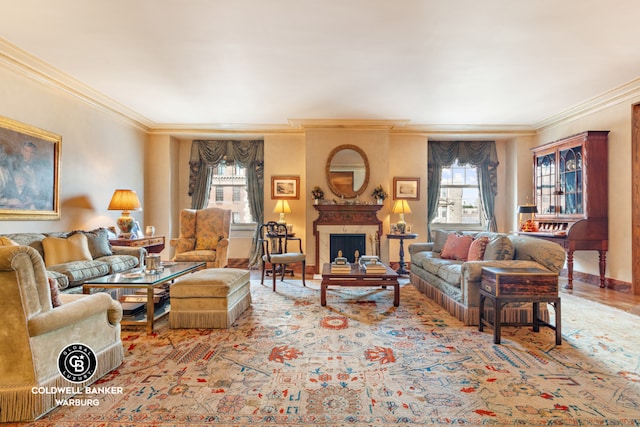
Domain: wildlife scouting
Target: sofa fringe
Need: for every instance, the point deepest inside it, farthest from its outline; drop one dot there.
(19, 403)
(470, 316)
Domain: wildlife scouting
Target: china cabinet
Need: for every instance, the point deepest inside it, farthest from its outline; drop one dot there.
(571, 195)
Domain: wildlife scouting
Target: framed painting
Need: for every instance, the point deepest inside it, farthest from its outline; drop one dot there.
(406, 188)
(285, 187)
(29, 172)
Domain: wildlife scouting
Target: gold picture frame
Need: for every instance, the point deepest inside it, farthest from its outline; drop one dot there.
(406, 188)
(285, 187)
(29, 172)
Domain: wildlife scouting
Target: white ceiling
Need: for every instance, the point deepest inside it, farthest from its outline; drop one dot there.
(432, 62)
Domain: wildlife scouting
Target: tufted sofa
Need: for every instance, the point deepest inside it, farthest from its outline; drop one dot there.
(455, 283)
(71, 258)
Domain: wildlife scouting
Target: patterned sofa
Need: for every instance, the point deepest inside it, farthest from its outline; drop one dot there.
(72, 258)
(455, 284)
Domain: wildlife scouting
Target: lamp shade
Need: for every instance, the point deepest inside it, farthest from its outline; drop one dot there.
(524, 209)
(401, 207)
(124, 200)
(282, 207)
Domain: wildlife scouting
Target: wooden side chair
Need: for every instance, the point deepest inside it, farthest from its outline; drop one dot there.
(280, 249)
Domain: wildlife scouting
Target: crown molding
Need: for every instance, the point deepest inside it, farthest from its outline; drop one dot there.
(42, 72)
(626, 93)
(364, 124)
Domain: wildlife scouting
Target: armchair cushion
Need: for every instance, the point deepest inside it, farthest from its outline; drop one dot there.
(5, 241)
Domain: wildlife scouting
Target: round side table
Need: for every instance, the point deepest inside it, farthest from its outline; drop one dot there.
(402, 237)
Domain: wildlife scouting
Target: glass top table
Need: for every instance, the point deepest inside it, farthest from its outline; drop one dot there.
(138, 278)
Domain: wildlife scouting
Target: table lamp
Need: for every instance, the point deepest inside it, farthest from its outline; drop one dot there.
(282, 207)
(125, 201)
(401, 207)
(526, 214)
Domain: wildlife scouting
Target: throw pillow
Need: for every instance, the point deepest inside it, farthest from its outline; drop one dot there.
(5, 241)
(456, 247)
(58, 250)
(55, 293)
(477, 248)
(98, 241)
(499, 248)
(439, 240)
(206, 243)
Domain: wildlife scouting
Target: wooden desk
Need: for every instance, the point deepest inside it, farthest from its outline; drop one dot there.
(402, 237)
(153, 244)
(505, 285)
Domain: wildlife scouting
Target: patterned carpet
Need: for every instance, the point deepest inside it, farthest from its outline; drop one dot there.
(360, 361)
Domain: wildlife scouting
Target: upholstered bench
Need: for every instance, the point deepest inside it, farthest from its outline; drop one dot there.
(210, 298)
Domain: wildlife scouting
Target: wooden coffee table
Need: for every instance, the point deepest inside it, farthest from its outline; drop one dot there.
(357, 277)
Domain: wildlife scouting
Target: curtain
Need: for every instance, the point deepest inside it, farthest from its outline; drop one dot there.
(205, 155)
(480, 154)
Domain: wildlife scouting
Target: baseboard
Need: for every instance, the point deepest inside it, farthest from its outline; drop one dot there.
(592, 279)
(242, 263)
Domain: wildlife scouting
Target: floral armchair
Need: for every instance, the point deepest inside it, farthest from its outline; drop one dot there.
(37, 325)
(204, 236)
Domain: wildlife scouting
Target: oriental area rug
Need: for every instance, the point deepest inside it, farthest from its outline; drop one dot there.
(360, 361)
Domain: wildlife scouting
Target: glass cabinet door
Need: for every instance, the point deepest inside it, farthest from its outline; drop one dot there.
(546, 183)
(570, 177)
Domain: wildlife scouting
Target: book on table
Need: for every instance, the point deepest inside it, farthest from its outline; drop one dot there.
(341, 268)
(375, 268)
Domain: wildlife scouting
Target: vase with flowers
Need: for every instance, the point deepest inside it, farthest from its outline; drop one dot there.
(317, 194)
(379, 194)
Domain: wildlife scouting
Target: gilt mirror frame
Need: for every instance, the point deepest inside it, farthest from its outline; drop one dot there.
(338, 181)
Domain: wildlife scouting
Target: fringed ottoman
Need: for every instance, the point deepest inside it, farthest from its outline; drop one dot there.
(210, 298)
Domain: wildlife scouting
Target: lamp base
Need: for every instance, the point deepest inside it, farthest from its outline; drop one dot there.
(125, 224)
(282, 220)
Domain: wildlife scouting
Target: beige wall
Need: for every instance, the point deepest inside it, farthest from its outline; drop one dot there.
(617, 120)
(100, 152)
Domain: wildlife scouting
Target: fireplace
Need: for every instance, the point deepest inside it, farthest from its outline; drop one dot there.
(346, 219)
(347, 245)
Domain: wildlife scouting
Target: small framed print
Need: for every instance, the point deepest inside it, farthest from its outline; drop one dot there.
(285, 187)
(406, 188)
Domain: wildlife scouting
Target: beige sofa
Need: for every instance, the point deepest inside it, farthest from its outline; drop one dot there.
(100, 260)
(34, 333)
(455, 284)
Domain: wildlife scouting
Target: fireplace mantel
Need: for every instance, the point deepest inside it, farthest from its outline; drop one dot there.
(345, 215)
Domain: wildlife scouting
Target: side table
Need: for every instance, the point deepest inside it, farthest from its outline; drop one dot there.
(402, 237)
(154, 244)
(507, 285)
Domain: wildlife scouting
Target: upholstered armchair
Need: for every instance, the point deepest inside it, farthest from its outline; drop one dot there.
(34, 333)
(204, 236)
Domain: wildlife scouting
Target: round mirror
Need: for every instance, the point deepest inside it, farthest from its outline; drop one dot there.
(347, 171)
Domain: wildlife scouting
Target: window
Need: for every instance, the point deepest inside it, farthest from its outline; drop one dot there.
(459, 201)
(229, 191)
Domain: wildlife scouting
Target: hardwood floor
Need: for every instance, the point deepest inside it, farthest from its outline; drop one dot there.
(621, 300)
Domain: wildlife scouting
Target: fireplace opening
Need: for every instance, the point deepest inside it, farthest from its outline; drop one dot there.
(348, 244)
